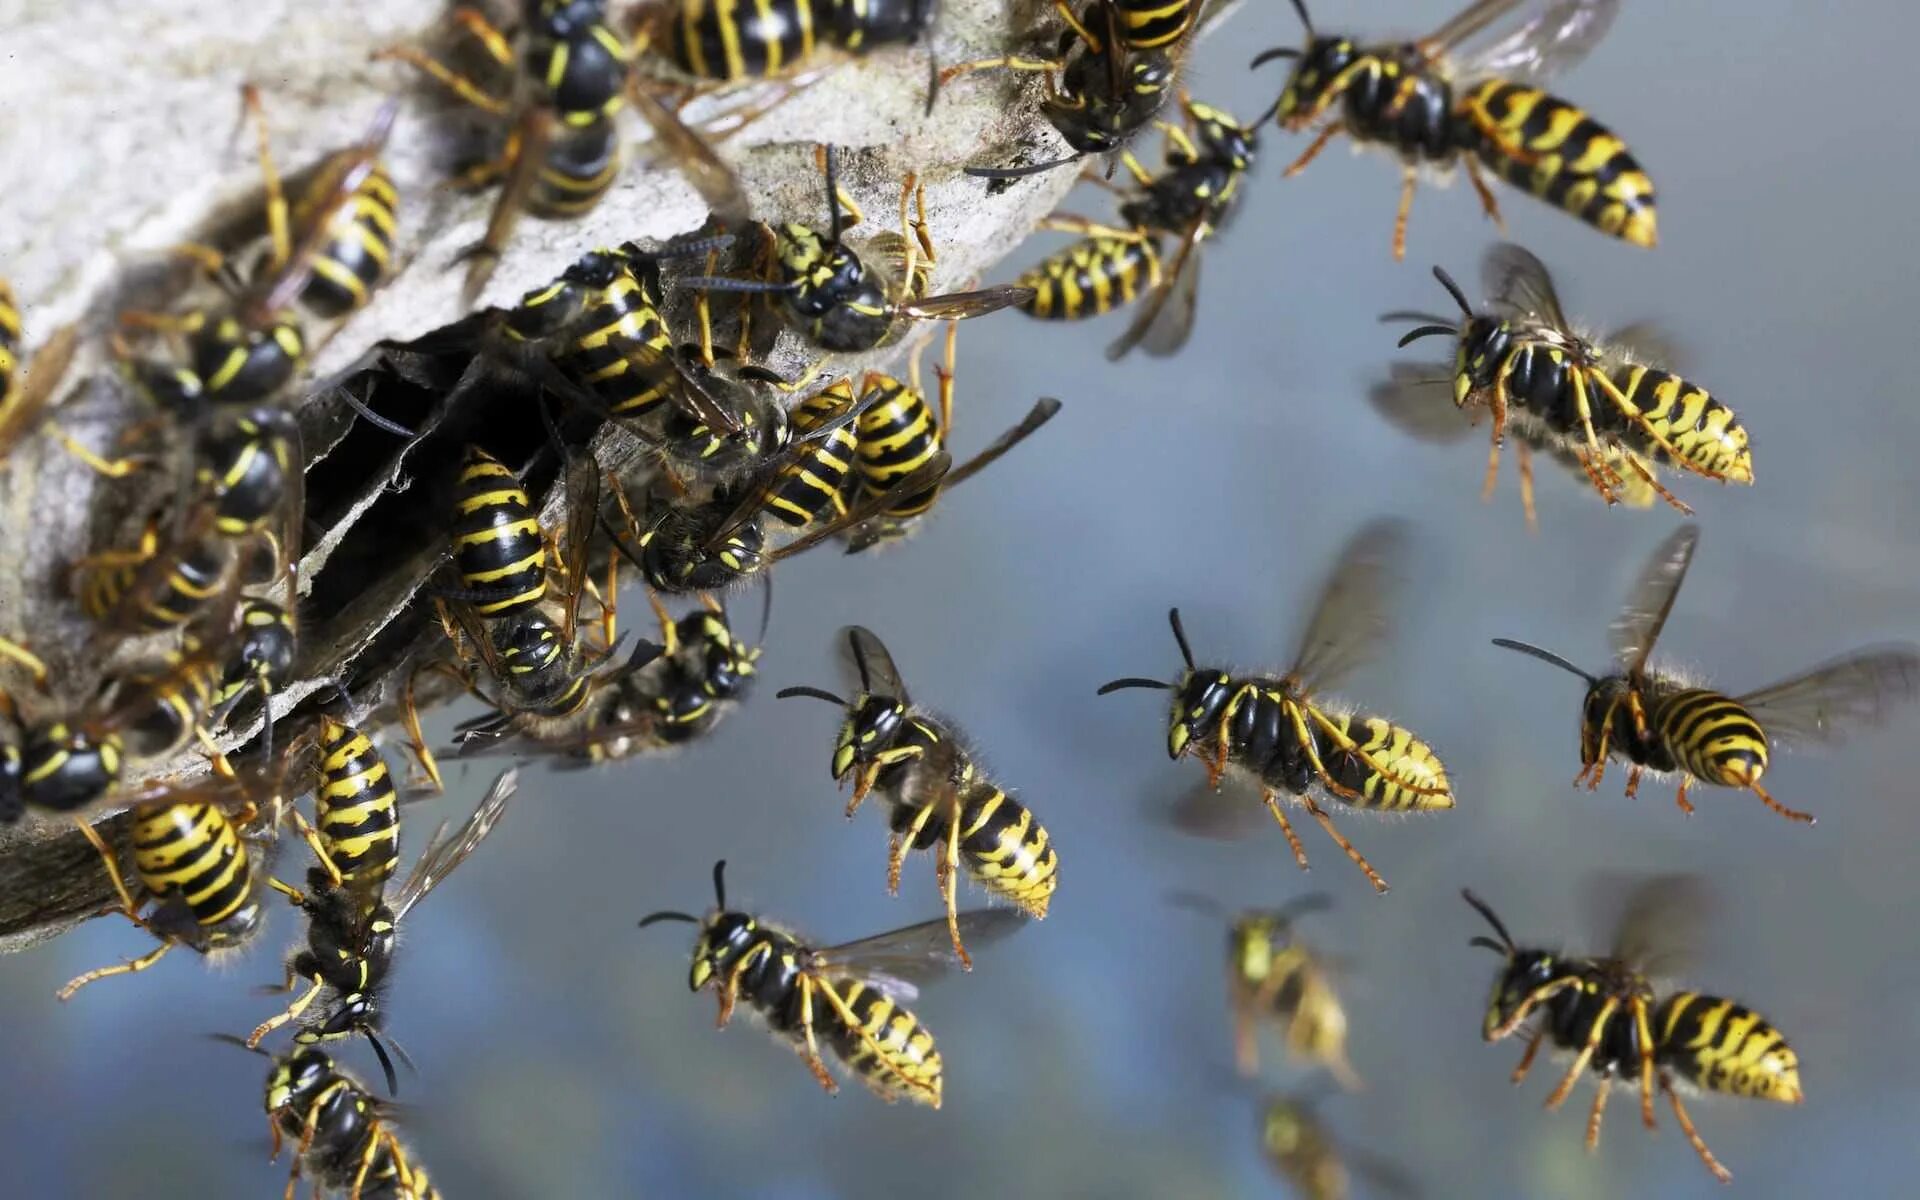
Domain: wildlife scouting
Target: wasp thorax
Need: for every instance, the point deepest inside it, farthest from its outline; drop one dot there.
(1319, 66)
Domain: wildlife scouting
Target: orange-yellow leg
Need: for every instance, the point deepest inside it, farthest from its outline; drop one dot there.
(897, 845)
(1633, 781)
(1680, 797)
(1525, 455)
(1409, 179)
(1488, 204)
(947, 871)
(1599, 1111)
(1526, 1059)
(1693, 1137)
(1791, 814)
(1534, 999)
(1659, 489)
(1585, 1056)
(852, 1021)
(1643, 1028)
(1005, 62)
(1313, 150)
(1286, 827)
(292, 1011)
(815, 1063)
(1352, 852)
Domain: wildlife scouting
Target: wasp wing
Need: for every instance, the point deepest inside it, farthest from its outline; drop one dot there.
(695, 157)
(957, 306)
(337, 181)
(1826, 704)
(1555, 38)
(1165, 321)
(23, 410)
(1638, 626)
(1647, 343)
(582, 516)
(1517, 281)
(866, 662)
(1043, 410)
(445, 853)
(925, 476)
(1417, 399)
(1659, 921)
(1352, 621)
(900, 962)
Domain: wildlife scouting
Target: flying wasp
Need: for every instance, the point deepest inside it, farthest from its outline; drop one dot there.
(343, 1136)
(842, 302)
(1605, 400)
(562, 148)
(1435, 103)
(1115, 265)
(1304, 1153)
(1606, 1012)
(352, 923)
(1274, 978)
(851, 996)
(1284, 735)
(1663, 724)
(939, 794)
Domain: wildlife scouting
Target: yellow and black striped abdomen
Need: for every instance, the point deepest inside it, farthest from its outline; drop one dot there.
(623, 350)
(1560, 154)
(357, 251)
(9, 348)
(355, 807)
(163, 591)
(1709, 735)
(194, 852)
(900, 1059)
(1006, 850)
(581, 164)
(1706, 432)
(497, 546)
(898, 433)
(1091, 277)
(1721, 1046)
(1404, 762)
(745, 39)
(1151, 24)
(813, 483)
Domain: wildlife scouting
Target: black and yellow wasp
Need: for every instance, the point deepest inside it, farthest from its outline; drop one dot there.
(1115, 265)
(853, 997)
(1286, 735)
(562, 148)
(1435, 102)
(939, 794)
(353, 922)
(721, 41)
(26, 395)
(1607, 1013)
(843, 302)
(1113, 69)
(1664, 723)
(1607, 401)
(1306, 1155)
(344, 1139)
(1276, 979)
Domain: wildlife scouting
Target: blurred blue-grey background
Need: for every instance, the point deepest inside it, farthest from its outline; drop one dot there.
(561, 1054)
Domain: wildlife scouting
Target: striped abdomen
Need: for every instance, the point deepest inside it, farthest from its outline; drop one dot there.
(1002, 846)
(193, 851)
(1151, 24)
(355, 808)
(1708, 735)
(9, 349)
(617, 321)
(1707, 434)
(264, 654)
(157, 592)
(497, 546)
(1402, 759)
(155, 714)
(1721, 1046)
(896, 1058)
(898, 433)
(1560, 154)
(64, 767)
(543, 678)
(812, 485)
(580, 165)
(357, 250)
(1091, 277)
(247, 467)
(745, 39)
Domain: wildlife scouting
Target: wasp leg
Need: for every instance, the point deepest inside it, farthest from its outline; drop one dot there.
(1680, 797)
(26, 658)
(410, 715)
(855, 1026)
(1791, 814)
(1526, 1059)
(897, 845)
(729, 993)
(1488, 204)
(289, 1013)
(1353, 852)
(1313, 150)
(1638, 416)
(1633, 781)
(1643, 1028)
(814, 1062)
(1409, 179)
(1599, 1111)
(1534, 999)
(1659, 489)
(1585, 1056)
(129, 909)
(1694, 1139)
(1286, 827)
(1349, 746)
(947, 871)
(1005, 62)
(1069, 223)
(1525, 455)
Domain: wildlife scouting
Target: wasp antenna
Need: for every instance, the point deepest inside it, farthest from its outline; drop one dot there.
(1414, 335)
(766, 607)
(720, 883)
(656, 918)
(1300, 6)
(1266, 56)
(1133, 681)
(833, 192)
(1546, 656)
(386, 1064)
(1505, 945)
(1453, 289)
(811, 693)
(1180, 635)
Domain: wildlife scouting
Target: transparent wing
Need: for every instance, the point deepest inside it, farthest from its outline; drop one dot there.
(1646, 342)
(956, 306)
(43, 374)
(929, 473)
(1825, 705)
(1469, 21)
(1517, 282)
(1659, 921)
(336, 182)
(1638, 626)
(694, 156)
(1351, 624)
(1043, 410)
(582, 516)
(866, 663)
(901, 962)
(1555, 38)
(445, 853)
(1165, 321)
(1417, 399)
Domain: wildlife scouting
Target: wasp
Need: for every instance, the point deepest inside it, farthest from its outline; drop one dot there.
(939, 794)
(1435, 104)
(1112, 266)
(353, 923)
(1286, 736)
(26, 395)
(1111, 72)
(1523, 361)
(852, 996)
(1607, 1013)
(562, 148)
(1663, 724)
(1418, 400)
(262, 659)
(343, 1136)
(846, 304)
(1306, 1154)
(1273, 977)
(714, 40)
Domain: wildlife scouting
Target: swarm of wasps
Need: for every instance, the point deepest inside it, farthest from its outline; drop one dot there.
(747, 468)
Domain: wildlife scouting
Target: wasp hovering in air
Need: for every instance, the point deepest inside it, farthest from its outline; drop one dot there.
(940, 796)
(1115, 265)
(1305, 1153)
(845, 303)
(1435, 102)
(1274, 978)
(1663, 724)
(1606, 401)
(1608, 1014)
(1286, 735)
(851, 996)
(343, 1136)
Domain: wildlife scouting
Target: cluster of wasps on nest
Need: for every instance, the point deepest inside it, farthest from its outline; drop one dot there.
(748, 468)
